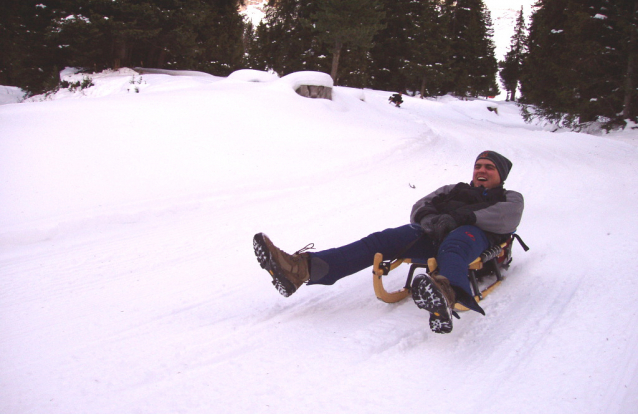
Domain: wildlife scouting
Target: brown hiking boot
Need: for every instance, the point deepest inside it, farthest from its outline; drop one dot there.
(435, 294)
(288, 271)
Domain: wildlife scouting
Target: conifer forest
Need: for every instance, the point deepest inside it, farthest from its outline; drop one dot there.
(573, 63)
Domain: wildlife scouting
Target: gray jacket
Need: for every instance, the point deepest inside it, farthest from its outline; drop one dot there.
(502, 217)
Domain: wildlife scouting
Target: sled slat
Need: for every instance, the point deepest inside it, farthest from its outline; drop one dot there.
(484, 293)
(381, 269)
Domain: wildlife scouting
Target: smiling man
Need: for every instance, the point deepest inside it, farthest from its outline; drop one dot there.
(455, 224)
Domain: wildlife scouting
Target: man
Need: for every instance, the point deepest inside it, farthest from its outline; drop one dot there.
(455, 224)
(396, 99)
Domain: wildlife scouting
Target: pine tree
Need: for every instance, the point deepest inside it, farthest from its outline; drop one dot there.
(351, 22)
(511, 67)
(626, 15)
(218, 37)
(28, 59)
(102, 34)
(430, 66)
(580, 67)
(472, 62)
(285, 41)
(394, 45)
(543, 80)
(186, 34)
(408, 51)
(39, 37)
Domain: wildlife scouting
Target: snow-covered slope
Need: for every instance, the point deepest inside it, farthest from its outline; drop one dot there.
(504, 14)
(129, 284)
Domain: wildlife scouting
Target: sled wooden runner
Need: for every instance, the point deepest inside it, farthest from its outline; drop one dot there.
(378, 271)
(489, 258)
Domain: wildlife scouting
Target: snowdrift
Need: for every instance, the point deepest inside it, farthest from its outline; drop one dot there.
(129, 283)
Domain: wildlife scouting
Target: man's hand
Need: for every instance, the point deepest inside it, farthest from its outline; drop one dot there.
(442, 225)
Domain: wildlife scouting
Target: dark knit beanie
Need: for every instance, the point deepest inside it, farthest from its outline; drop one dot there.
(503, 165)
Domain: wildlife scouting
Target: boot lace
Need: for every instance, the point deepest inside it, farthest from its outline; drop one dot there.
(304, 249)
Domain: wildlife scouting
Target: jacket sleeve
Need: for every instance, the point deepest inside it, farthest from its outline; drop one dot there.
(502, 217)
(424, 207)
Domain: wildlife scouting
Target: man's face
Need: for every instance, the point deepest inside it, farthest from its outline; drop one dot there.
(485, 174)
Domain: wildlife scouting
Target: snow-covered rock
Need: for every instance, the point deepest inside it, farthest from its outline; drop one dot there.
(310, 84)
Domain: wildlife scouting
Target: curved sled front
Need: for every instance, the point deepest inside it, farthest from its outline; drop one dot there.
(379, 270)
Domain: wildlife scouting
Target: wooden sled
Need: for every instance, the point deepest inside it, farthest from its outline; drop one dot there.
(487, 266)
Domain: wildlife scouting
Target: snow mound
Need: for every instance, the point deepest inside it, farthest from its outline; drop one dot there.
(252, 75)
(11, 94)
(75, 83)
(309, 78)
(172, 72)
(353, 92)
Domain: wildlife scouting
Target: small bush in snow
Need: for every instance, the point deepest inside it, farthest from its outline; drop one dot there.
(85, 83)
(133, 81)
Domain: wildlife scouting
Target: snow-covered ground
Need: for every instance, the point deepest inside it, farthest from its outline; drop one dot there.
(129, 283)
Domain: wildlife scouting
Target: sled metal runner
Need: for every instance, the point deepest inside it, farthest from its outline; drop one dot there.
(488, 264)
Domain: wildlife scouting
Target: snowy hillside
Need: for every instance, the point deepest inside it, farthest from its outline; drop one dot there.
(129, 283)
(504, 13)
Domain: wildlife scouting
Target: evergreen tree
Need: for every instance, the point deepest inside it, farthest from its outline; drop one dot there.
(219, 37)
(472, 62)
(27, 59)
(430, 66)
(352, 22)
(39, 37)
(100, 34)
(408, 51)
(296, 35)
(511, 67)
(545, 69)
(624, 18)
(354, 66)
(394, 45)
(285, 40)
(186, 34)
(580, 62)
(486, 72)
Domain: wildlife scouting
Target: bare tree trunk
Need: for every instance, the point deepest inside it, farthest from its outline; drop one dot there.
(626, 113)
(119, 51)
(629, 78)
(161, 59)
(336, 55)
(423, 86)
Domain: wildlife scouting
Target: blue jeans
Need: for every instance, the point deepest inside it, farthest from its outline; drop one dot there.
(456, 252)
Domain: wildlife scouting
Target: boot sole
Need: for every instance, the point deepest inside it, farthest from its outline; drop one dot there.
(428, 297)
(264, 257)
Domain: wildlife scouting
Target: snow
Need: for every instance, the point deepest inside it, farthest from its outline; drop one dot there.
(10, 94)
(253, 75)
(129, 283)
(311, 78)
